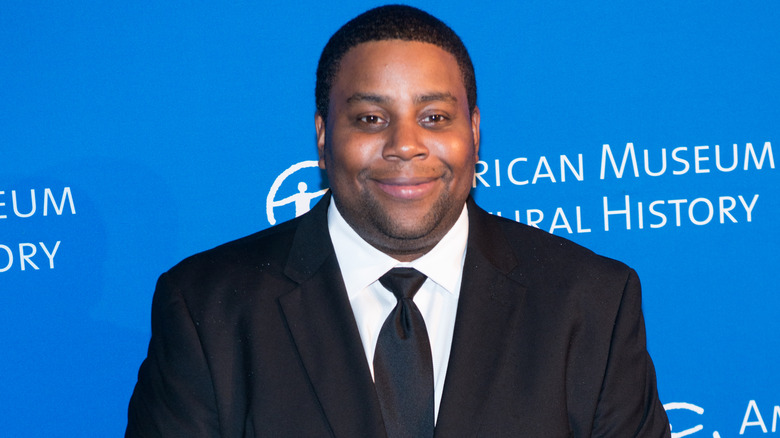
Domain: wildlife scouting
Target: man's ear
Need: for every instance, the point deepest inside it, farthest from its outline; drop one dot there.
(319, 125)
(475, 131)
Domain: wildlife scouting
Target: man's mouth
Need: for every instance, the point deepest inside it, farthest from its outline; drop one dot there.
(407, 188)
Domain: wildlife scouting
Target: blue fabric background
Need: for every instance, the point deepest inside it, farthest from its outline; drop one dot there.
(167, 123)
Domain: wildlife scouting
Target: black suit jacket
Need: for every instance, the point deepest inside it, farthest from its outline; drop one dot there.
(256, 338)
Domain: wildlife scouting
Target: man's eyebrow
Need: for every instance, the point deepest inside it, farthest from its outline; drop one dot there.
(433, 97)
(367, 97)
(423, 98)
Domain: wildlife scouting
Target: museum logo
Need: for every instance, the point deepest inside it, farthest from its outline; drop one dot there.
(300, 197)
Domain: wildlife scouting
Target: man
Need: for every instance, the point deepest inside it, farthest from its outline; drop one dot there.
(282, 333)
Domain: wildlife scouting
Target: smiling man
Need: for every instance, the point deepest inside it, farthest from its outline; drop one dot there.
(397, 307)
(399, 145)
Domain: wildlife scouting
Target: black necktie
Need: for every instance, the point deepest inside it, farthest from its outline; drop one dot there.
(403, 368)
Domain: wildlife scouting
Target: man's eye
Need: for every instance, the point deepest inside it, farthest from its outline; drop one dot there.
(371, 119)
(434, 119)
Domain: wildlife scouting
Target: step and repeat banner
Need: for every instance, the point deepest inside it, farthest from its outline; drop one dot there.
(135, 134)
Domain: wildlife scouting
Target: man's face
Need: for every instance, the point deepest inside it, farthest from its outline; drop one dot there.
(399, 146)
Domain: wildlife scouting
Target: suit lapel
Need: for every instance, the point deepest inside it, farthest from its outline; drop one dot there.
(323, 327)
(489, 307)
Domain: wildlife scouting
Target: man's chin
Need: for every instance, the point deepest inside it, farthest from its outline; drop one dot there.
(410, 227)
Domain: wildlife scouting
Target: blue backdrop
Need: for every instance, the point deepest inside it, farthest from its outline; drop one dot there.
(133, 134)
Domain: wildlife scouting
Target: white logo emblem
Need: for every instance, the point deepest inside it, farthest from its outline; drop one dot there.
(302, 200)
(688, 407)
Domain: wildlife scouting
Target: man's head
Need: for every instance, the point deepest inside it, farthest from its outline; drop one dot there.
(400, 140)
(388, 23)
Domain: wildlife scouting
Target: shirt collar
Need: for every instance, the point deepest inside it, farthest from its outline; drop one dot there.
(361, 264)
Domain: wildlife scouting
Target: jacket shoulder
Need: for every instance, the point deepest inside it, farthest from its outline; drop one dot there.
(252, 263)
(544, 258)
(264, 247)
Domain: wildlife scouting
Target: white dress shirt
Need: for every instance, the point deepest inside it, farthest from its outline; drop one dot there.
(361, 266)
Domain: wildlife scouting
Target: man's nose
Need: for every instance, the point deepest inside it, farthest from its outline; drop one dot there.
(406, 141)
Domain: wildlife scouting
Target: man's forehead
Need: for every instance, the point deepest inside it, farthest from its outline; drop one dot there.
(365, 60)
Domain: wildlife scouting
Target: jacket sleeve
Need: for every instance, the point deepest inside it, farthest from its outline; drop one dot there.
(174, 395)
(628, 404)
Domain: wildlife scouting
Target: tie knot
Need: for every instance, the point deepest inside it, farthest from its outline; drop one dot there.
(403, 282)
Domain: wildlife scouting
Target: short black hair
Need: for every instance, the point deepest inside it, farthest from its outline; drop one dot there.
(390, 22)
